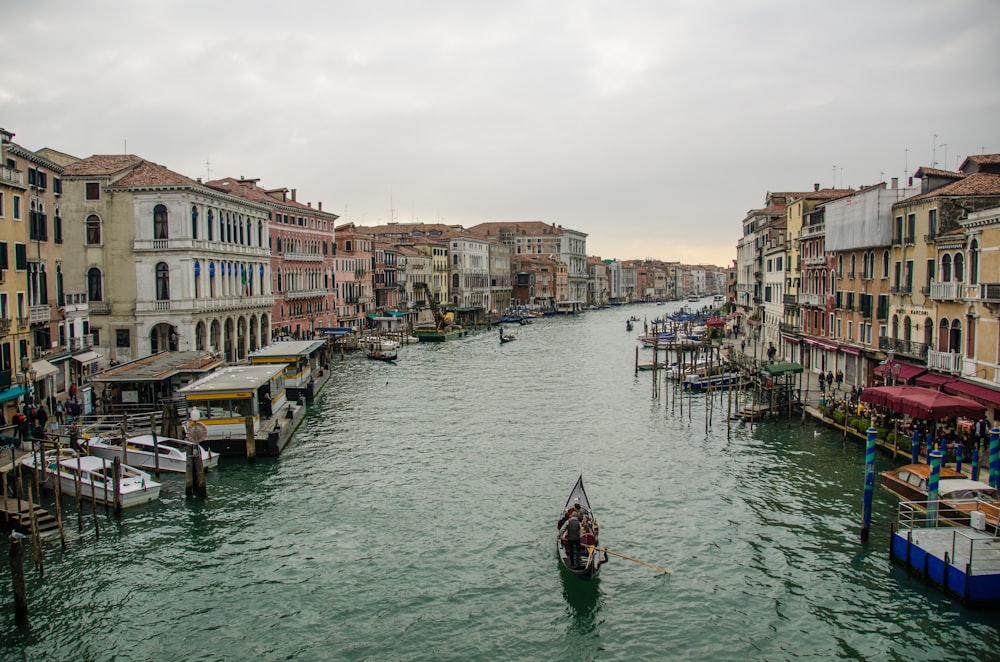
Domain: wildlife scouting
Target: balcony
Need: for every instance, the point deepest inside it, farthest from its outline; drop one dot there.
(947, 291)
(904, 290)
(791, 329)
(790, 299)
(100, 308)
(810, 230)
(83, 342)
(302, 257)
(39, 314)
(11, 177)
(911, 348)
(944, 362)
(4, 326)
(986, 292)
(814, 261)
(304, 294)
(928, 238)
(814, 300)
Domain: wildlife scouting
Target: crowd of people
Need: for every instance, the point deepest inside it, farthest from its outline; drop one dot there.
(578, 530)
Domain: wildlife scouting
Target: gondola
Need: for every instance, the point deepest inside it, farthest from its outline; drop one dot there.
(381, 355)
(506, 337)
(590, 560)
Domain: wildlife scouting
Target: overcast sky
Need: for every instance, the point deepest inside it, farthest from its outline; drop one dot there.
(651, 126)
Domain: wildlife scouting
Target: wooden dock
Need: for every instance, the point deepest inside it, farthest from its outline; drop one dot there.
(963, 562)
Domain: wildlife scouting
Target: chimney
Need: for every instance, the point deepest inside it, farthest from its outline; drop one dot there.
(815, 187)
(293, 195)
(320, 205)
(910, 181)
(895, 182)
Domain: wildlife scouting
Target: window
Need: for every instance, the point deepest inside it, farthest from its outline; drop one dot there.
(932, 223)
(122, 338)
(57, 232)
(20, 257)
(194, 222)
(93, 191)
(3, 256)
(930, 272)
(160, 222)
(974, 262)
(208, 224)
(57, 186)
(95, 289)
(911, 228)
(17, 208)
(959, 267)
(162, 282)
(93, 230)
(885, 264)
(3, 208)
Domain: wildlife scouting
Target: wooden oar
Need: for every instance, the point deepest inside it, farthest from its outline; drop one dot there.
(628, 558)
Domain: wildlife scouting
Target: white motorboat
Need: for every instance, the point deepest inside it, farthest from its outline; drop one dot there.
(95, 476)
(378, 342)
(141, 452)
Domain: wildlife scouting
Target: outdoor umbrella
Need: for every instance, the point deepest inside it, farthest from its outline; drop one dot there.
(921, 402)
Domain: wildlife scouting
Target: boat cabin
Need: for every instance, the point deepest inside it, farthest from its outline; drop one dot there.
(145, 384)
(225, 398)
(303, 361)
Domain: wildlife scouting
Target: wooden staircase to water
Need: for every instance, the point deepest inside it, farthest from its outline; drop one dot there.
(16, 515)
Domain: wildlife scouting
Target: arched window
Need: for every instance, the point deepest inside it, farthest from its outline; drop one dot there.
(854, 264)
(955, 336)
(222, 226)
(959, 267)
(454, 282)
(260, 233)
(249, 227)
(209, 220)
(211, 279)
(945, 268)
(197, 279)
(93, 230)
(95, 284)
(885, 264)
(162, 282)
(160, 222)
(974, 262)
(194, 222)
(840, 264)
(944, 324)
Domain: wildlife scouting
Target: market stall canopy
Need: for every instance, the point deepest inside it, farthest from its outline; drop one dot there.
(776, 369)
(715, 322)
(921, 402)
(901, 372)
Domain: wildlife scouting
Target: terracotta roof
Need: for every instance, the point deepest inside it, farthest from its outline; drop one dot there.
(980, 183)
(982, 158)
(936, 172)
(101, 165)
(523, 228)
(147, 173)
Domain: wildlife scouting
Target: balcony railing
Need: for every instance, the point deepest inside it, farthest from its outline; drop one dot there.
(901, 289)
(809, 299)
(989, 292)
(302, 257)
(947, 291)
(305, 294)
(808, 230)
(12, 176)
(815, 260)
(83, 342)
(785, 327)
(39, 314)
(100, 308)
(910, 348)
(790, 299)
(944, 361)
(4, 326)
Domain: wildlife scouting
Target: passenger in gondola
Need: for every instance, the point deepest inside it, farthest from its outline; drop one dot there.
(571, 540)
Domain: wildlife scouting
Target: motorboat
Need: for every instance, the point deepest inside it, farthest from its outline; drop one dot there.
(695, 382)
(95, 477)
(141, 451)
(958, 494)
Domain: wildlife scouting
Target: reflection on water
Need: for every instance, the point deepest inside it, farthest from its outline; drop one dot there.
(583, 599)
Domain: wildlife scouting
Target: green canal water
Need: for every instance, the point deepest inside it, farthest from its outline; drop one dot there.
(412, 518)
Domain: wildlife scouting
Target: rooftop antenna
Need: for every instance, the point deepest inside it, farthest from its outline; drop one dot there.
(934, 152)
(125, 142)
(833, 184)
(906, 163)
(945, 161)
(208, 171)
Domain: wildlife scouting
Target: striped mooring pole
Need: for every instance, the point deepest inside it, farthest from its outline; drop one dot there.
(915, 448)
(995, 457)
(932, 489)
(974, 474)
(866, 510)
(959, 450)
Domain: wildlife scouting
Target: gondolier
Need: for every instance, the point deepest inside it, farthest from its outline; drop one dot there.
(571, 530)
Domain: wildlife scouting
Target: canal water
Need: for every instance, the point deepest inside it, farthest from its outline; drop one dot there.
(412, 517)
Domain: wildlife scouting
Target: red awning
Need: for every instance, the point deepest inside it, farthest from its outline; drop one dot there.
(791, 339)
(823, 345)
(850, 350)
(982, 394)
(933, 379)
(903, 372)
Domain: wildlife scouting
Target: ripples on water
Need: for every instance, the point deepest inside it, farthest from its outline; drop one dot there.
(412, 518)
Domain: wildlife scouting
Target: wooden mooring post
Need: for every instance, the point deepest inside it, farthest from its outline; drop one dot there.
(156, 444)
(17, 577)
(251, 441)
